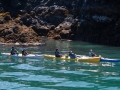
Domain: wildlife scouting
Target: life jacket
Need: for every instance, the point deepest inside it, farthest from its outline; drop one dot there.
(13, 51)
(24, 53)
(72, 55)
(57, 54)
(91, 54)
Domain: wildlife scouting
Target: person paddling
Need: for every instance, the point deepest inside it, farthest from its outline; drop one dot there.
(72, 55)
(57, 53)
(24, 52)
(13, 51)
(92, 54)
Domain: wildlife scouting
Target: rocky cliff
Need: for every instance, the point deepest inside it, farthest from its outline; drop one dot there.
(96, 21)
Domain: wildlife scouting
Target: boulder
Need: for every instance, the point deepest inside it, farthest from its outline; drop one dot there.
(41, 30)
(15, 29)
(65, 34)
(57, 37)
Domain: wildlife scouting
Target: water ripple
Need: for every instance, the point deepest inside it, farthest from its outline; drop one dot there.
(41, 78)
(8, 74)
(34, 88)
(72, 72)
(110, 88)
(10, 85)
(27, 67)
(111, 78)
(7, 63)
(76, 84)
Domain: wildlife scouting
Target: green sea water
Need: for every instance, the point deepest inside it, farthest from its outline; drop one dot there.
(45, 74)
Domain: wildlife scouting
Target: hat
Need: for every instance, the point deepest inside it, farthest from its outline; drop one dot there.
(91, 50)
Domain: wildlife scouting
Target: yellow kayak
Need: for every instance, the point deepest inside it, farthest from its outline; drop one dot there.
(83, 58)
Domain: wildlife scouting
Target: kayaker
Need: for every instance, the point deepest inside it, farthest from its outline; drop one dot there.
(91, 53)
(24, 52)
(13, 51)
(72, 55)
(57, 53)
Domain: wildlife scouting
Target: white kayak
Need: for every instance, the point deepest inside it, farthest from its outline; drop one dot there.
(21, 56)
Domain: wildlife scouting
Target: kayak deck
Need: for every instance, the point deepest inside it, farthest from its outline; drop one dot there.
(84, 58)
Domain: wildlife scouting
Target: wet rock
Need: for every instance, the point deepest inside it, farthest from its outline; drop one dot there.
(15, 29)
(57, 37)
(41, 30)
(63, 29)
(65, 25)
(65, 34)
(1, 20)
(5, 32)
(51, 34)
(26, 19)
(7, 18)
(52, 27)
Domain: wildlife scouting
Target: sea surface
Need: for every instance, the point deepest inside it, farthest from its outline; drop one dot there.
(45, 74)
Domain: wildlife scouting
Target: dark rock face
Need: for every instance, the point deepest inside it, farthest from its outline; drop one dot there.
(99, 22)
(96, 21)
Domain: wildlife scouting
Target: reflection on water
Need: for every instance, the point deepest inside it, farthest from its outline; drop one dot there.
(45, 74)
